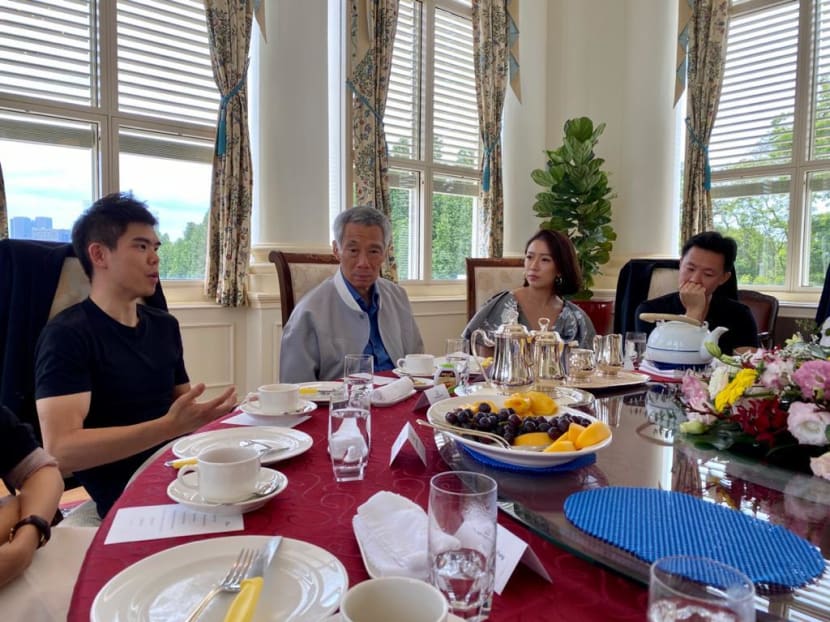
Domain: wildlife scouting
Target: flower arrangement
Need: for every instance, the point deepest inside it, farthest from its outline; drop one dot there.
(774, 401)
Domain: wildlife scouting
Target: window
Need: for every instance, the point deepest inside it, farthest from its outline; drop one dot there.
(770, 147)
(99, 96)
(431, 124)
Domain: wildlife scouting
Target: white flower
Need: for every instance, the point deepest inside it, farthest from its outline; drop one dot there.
(719, 380)
(808, 423)
(825, 333)
(821, 465)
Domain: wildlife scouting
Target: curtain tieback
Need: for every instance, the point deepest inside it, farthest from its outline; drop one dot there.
(697, 142)
(364, 100)
(221, 129)
(485, 174)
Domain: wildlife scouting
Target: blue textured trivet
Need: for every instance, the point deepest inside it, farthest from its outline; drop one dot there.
(651, 524)
(576, 463)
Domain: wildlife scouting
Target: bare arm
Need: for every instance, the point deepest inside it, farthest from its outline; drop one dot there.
(39, 495)
(77, 448)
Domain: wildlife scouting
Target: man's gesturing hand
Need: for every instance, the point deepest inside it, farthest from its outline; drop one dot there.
(187, 415)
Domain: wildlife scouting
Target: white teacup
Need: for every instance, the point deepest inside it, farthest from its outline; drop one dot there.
(223, 474)
(417, 364)
(278, 398)
(394, 598)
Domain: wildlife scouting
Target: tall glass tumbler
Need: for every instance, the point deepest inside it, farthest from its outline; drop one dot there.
(349, 436)
(462, 541)
(458, 353)
(358, 377)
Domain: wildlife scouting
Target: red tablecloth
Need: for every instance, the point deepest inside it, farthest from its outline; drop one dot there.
(317, 509)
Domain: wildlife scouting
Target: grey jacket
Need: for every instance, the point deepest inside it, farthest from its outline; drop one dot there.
(327, 324)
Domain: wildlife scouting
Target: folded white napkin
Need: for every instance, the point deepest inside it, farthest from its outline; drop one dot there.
(392, 531)
(393, 391)
(650, 368)
(348, 443)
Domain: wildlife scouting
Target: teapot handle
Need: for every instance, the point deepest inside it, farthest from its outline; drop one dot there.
(669, 317)
(487, 342)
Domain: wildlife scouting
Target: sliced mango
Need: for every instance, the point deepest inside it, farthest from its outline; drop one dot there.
(560, 444)
(519, 403)
(593, 434)
(574, 430)
(531, 439)
(542, 403)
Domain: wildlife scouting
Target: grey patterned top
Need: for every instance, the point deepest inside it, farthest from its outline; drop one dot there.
(572, 324)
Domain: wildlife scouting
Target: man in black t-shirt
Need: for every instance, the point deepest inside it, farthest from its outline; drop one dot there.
(110, 381)
(707, 262)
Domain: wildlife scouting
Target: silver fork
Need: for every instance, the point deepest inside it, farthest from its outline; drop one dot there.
(229, 583)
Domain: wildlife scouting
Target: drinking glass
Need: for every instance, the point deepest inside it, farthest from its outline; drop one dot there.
(462, 541)
(637, 350)
(458, 353)
(358, 376)
(349, 436)
(685, 587)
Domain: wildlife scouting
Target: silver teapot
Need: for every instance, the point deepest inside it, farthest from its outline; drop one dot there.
(549, 356)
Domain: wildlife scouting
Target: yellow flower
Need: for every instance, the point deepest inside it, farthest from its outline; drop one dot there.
(735, 389)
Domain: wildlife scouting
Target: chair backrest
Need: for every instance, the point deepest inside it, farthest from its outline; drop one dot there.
(765, 311)
(489, 276)
(298, 274)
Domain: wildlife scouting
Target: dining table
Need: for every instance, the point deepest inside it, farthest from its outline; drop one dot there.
(590, 580)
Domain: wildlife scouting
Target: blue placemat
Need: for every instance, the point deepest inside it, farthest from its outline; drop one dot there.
(651, 524)
(576, 463)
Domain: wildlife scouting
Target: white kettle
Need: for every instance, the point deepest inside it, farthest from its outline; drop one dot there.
(679, 342)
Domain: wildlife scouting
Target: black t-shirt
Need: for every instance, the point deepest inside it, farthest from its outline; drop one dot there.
(743, 332)
(131, 373)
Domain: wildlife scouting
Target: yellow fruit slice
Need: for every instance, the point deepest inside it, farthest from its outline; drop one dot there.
(519, 403)
(308, 390)
(531, 439)
(593, 434)
(560, 444)
(574, 430)
(542, 403)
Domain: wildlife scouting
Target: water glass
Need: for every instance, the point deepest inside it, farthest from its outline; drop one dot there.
(685, 587)
(462, 541)
(636, 351)
(358, 378)
(458, 353)
(349, 436)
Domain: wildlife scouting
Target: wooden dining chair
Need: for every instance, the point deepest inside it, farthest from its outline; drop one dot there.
(765, 311)
(487, 276)
(298, 274)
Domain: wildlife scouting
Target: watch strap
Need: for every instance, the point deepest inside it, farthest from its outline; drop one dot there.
(39, 523)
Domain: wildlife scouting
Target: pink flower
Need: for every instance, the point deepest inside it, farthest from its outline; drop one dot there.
(821, 465)
(776, 374)
(813, 378)
(808, 423)
(696, 393)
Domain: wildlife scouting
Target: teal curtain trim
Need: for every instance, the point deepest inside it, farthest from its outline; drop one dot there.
(364, 100)
(485, 174)
(221, 129)
(697, 142)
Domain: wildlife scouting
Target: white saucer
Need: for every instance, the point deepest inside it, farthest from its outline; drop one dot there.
(319, 391)
(251, 407)
(191, 498)
(376, 402)
(338, 618)
(401, 372)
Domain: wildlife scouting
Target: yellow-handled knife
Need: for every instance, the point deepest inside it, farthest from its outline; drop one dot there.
(180, 462)
(244, 604)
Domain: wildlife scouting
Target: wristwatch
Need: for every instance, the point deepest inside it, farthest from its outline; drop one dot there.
(39, 523)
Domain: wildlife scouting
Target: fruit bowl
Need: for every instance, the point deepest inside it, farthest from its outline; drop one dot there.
(515, 455)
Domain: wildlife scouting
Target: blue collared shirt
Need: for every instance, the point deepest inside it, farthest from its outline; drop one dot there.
(375, 345)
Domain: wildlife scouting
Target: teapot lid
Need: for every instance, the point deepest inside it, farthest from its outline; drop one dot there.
(544, 335)
(511, 326)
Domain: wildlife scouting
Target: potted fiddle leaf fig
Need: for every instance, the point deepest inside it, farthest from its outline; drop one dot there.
(576, 199)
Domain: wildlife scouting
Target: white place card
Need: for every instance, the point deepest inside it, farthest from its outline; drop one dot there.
(437, 393)
(408, 434)
(152, 522)
(510, 550)
(285, 421)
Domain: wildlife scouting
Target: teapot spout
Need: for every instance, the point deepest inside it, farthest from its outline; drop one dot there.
(712, 338)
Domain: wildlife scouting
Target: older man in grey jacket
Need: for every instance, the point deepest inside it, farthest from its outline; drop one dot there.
(352, 312)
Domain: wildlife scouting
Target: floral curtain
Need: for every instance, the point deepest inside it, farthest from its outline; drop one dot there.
(373, 26)
(706, 56)
(491, 60)
(4, 218)
(229, 221)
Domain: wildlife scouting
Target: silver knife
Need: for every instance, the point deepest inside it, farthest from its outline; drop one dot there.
(244, 604)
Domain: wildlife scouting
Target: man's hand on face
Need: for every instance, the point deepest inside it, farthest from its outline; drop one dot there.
(187, 415)
(693, 298)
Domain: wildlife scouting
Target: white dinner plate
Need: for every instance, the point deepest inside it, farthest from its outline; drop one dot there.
(514, 456)
(191, 498)
(251, 407)
(318, 391)
(400, 372)
(564, 396)
(294, 441)
(305, 583)
(382, 403)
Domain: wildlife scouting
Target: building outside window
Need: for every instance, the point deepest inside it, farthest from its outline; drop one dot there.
(770, 146)
(102, 96)
(432, 133)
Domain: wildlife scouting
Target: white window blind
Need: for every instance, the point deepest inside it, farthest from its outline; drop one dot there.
(401, 120)
(755, 116)
(820, 135)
